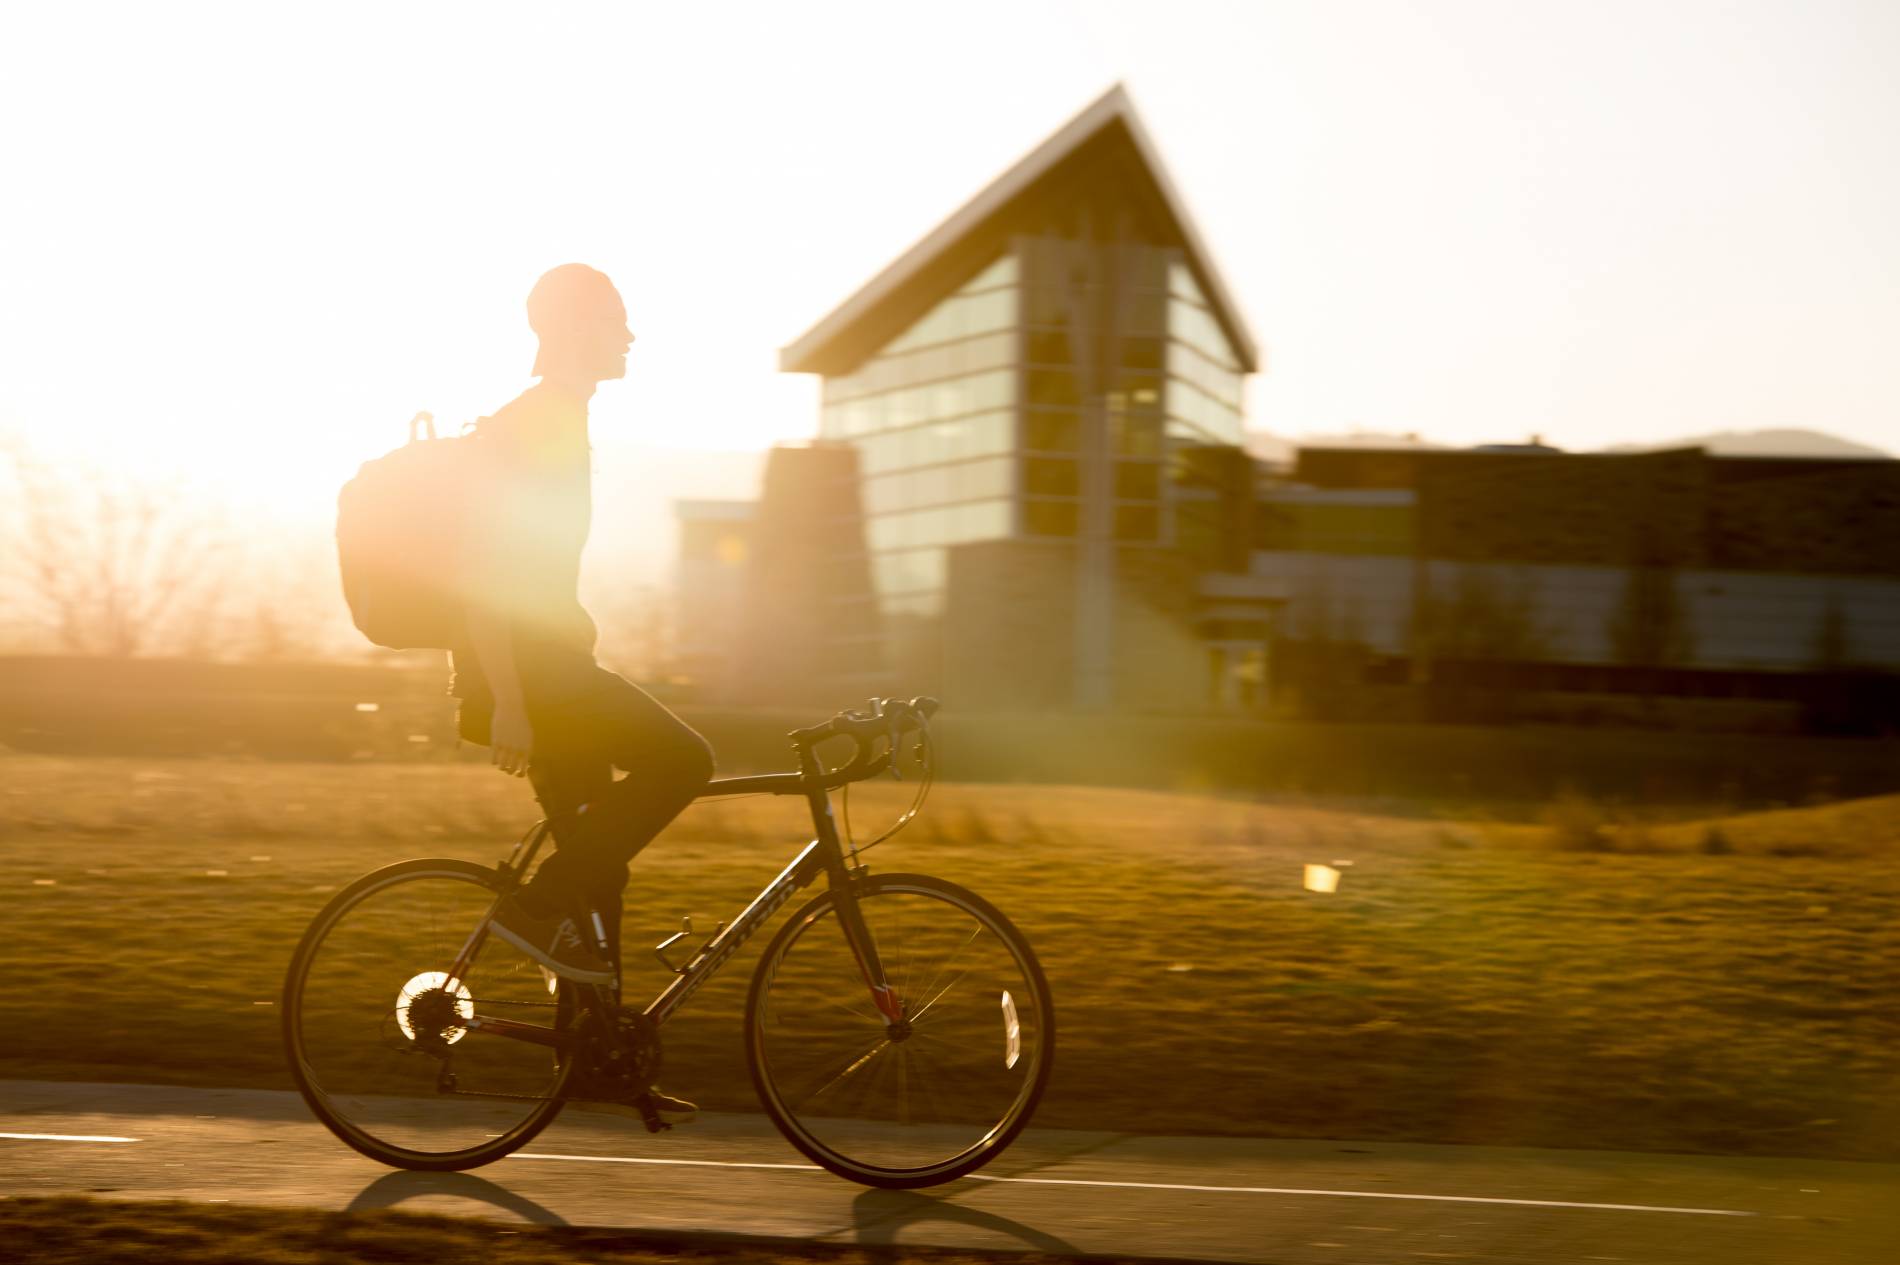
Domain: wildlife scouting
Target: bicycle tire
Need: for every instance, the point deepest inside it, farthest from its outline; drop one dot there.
(358, 1137)
(830, 1155)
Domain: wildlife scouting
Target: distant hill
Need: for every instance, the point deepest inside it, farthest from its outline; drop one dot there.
(1785, 442)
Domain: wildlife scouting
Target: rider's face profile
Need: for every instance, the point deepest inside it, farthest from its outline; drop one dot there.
(582, 324)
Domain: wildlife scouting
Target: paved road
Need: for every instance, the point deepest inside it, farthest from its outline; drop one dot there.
(1242, 1200)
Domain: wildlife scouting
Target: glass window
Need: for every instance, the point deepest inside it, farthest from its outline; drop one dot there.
(909, 570)
(1049, 518)
(979, 480)
(1199, 330)
(986, 302)
(1206, 419)
(949, 399)
(987, 352)
(883, 531)
(1138, 387)
(1053, 386)
(992, 390)
(1049, 431)
(1147, 314)
(1191, 367)
(904, 408)
(1135, 435)
(1051, 476)
(1142, 353)
(985, 312)
(1137, 522)
(1138, 480)
(927, 365)
(976, 480)
(1047, 347)
(1045, 305)
(881, 496)
(1001, 273)
(981, 520)
(1181, 283)
(929, 486)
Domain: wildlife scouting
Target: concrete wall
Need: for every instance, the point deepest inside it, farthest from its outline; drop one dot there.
(810, 627)
(1009, 628)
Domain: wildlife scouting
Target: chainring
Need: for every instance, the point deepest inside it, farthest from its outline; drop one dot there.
(622, 1056)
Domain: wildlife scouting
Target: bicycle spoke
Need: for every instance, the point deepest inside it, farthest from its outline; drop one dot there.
(958, 978)
(954, 955)
(939, 1040)
(383, 1091)
(856, 1065)
(955, 1087)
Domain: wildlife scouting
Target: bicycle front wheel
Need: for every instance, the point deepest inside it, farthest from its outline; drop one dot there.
(913, 1103)
(380, 1037)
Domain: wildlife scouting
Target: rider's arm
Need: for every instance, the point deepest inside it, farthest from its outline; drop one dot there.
(512, 739)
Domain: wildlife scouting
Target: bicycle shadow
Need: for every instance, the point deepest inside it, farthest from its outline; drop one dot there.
(879, 1216)
(393, 1189)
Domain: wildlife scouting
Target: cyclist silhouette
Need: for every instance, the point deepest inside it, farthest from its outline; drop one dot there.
(526, 676)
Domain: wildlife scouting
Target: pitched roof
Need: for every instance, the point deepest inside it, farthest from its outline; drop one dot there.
(1108, 131)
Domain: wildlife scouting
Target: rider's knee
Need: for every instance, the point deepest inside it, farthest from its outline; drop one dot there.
(692, 763)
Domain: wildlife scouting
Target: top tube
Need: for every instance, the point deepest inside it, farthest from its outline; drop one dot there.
(889, 718)
(761, 783)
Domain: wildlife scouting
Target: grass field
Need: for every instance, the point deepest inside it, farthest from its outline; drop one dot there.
(1588, 981)
(69, 1231)
(162, 709)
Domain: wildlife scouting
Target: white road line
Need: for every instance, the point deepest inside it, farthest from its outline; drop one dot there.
(1370, 1194)
(626, 1159)
(64, 1137)
(1231, 1190)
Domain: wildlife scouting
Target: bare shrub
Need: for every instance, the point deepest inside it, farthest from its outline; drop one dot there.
(1797, 850)
(112, 566)
(1578, 824)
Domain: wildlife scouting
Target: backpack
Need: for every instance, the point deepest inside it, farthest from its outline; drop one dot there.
(402, 529)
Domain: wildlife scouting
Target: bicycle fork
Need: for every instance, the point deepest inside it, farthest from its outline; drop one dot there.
(857, 932)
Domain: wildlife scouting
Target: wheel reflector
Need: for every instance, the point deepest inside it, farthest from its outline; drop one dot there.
(1012, 1032)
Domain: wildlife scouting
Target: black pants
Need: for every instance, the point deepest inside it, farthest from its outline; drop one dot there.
(600, 821)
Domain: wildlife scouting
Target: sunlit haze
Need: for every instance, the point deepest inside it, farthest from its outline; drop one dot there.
(249, 241)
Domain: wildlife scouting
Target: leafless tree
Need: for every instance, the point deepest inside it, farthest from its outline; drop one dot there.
(291, 607)
(112, 565)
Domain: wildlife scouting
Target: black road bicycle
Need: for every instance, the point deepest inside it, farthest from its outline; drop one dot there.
(898, 1029)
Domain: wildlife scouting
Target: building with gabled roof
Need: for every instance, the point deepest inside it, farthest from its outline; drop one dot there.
(1045, 396)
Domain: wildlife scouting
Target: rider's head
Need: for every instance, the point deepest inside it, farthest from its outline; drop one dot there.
(582, 325)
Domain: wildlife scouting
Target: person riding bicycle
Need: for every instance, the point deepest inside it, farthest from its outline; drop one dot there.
(529, 687)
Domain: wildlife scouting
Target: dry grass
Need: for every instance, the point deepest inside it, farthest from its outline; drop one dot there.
(72, 1231)
(1471, 981)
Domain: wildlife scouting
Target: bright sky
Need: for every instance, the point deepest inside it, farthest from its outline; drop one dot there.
(253, 239)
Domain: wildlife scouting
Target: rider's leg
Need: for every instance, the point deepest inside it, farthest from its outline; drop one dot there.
(600, 823)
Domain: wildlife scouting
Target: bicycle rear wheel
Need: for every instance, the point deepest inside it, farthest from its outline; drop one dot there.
(912, 1104)
(378, 1034)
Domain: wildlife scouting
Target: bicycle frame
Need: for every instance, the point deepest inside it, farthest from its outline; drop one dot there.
(823, 855)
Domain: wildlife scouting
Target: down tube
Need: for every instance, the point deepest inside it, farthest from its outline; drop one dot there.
(720, 948)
